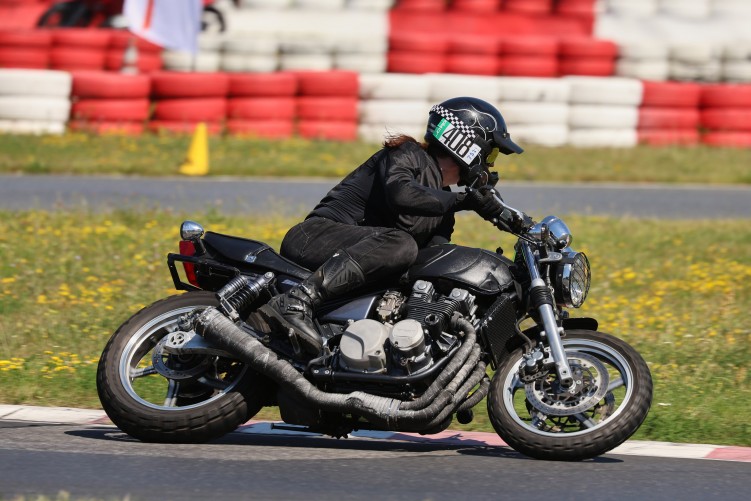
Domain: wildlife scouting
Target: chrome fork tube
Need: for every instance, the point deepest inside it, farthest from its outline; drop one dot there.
(549, 323)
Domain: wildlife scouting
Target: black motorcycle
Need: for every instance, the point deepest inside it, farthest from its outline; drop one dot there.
(407, 354)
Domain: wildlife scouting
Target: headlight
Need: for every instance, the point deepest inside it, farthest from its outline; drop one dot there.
(572, 279)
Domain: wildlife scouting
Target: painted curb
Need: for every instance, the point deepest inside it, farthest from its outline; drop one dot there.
(65, 415)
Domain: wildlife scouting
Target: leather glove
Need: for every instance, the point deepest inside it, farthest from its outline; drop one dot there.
(512, 222)
(483, 202)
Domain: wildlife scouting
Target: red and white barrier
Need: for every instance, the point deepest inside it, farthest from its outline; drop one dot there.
(106, 102)
(262, 104)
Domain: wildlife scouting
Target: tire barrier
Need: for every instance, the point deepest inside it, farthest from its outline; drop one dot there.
(34, 101)
(604, 112)
(726, 115)
(393, 104)
(327, 105)
(182, 100)
(519, 70)
(25, 49)
(262, 104)
(107, 102)
(669, 113)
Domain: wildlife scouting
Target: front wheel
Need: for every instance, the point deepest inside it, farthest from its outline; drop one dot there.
(608, 402)
(159, 397)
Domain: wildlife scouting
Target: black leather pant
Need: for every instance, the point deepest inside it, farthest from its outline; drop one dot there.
(380, 252)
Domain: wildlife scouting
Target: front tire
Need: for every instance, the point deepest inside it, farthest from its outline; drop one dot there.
(157, 397)
(538, 420)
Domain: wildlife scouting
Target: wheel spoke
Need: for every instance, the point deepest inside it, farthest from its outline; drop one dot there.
(144, 371)
(616, 383)
(585, 420)
(172, 391)
(211, 382)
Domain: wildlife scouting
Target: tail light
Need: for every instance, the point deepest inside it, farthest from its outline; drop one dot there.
(188, 248)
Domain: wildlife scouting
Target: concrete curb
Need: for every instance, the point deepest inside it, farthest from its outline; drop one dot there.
(65, 415)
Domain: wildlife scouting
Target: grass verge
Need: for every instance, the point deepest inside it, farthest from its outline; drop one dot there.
(680, 292)
(162, 155)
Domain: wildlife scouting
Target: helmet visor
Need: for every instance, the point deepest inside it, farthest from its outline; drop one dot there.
(505, 144)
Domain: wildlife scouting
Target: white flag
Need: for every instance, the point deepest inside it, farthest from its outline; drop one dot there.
(173, 24)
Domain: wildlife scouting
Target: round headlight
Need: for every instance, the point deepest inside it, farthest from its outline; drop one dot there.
(572, 279)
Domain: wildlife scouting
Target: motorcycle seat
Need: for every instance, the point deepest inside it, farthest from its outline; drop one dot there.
(254, 253)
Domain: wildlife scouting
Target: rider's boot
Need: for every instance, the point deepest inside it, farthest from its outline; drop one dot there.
(294, 310)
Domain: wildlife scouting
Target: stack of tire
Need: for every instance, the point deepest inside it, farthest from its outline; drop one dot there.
(207, 60)
(531, 7)
(736, 61)
(262, 104)
(669, 113)
(363, 54)
(79, 49)
(182, 100)
(731, 9)
(643, 59)
(687, 9)
(726, 115)
(421, 6)
(447, 86)
(250, 53)
(631, 8)
(604, 112)
(148, 56)
(695, 61)
(417, 52)
(306, 52)
(34, 101)
(587, 56)
(529, 56)
(327, 105)
(393, 103)
(474, 55)
(536, 110)
(109, 102)
(25, 49)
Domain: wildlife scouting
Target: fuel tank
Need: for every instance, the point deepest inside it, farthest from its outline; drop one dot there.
(477, 270)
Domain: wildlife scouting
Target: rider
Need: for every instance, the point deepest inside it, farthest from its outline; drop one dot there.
(374, 221)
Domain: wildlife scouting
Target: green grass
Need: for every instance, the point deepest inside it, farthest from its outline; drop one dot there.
(678, 291)
(151, 155)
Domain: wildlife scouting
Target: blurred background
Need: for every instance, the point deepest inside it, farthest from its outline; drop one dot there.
(585, 73)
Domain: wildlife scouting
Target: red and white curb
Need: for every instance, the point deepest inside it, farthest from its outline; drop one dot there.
(64, 415)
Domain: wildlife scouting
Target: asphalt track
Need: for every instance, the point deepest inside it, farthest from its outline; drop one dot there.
(298, 196)
(44, 451)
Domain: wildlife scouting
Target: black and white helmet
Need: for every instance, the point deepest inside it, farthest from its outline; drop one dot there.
(473, 132)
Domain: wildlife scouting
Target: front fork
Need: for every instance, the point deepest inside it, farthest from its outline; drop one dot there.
(544, 301)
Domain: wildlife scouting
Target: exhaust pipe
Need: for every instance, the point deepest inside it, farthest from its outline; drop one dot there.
(389, 412)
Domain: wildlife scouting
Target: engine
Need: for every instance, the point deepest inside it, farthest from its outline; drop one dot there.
(409, 334)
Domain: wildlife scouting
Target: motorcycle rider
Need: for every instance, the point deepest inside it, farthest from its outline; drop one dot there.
(374, 221)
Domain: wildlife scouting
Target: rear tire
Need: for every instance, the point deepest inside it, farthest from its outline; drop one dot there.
(207, 397)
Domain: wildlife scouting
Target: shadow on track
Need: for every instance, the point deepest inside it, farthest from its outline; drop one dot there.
(473, 448)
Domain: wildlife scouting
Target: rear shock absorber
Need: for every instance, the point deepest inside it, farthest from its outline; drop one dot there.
(240, 292)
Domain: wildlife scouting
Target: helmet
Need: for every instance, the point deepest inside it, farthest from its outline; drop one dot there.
(473, 132)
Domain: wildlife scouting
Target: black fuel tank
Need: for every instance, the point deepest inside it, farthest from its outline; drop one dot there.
(449, 266)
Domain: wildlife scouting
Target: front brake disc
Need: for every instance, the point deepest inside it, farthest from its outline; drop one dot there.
(591, 381)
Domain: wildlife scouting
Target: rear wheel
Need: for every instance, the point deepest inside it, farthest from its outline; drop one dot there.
(160, 397)
(610, 400)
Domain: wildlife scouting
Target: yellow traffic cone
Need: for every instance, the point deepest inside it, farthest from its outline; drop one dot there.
(197, 162)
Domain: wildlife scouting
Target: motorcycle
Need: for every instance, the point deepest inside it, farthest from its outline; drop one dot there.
(408, 353)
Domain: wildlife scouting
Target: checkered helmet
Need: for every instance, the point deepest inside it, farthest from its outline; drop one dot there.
(472, 132)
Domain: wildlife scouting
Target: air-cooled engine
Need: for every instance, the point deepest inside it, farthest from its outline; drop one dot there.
(409, 335)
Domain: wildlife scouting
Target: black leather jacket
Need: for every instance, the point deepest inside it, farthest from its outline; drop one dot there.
(395, 188)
